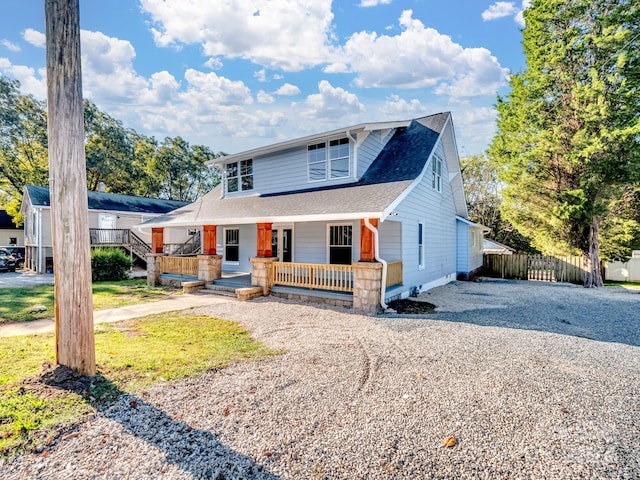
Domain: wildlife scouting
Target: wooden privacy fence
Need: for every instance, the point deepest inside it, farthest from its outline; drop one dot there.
(179, 265)
(313, 276)
(536, 267)
(394, 273)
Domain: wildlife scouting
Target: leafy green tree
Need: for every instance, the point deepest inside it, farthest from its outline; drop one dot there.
(482, 190)
(569, 131)
(23, 145)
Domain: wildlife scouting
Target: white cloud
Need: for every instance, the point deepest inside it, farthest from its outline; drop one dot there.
(499, 10)
(260, 75)
(288, 90)
(475, 127)
(420, 57)
(519, 16)
(399, 108)
(214, 63)
(264, 97)
(331, 103)
(34, 37)
(374, 3)
(31, 81)
(10, 45)
(208, 89)
(280, 34)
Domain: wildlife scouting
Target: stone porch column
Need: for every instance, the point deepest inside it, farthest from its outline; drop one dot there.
(154, 269)
(367, 286)
(209, 267)
(261, 273)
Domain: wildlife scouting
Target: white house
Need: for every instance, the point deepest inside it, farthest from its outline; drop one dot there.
(388, 193)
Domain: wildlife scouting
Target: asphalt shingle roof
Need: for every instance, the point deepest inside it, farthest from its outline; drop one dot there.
(399, 163)
(110, 201)
(6, 222)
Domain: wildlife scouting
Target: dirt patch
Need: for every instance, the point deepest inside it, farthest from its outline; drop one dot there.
(411, 306)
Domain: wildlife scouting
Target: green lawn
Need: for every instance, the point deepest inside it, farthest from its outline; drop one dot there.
(131, 355)
(24, 304)
(628, 285)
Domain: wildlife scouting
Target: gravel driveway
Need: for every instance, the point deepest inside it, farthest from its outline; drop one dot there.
(536, 381)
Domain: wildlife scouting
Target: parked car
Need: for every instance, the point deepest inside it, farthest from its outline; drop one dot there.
(7, 261)
(18, 253)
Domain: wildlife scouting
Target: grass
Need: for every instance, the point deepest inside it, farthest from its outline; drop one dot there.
(131, 355)
(17, 304)
(629, 285)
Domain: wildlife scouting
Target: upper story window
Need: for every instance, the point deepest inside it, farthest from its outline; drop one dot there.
(436, 166)
(328, 160)
(239, 176)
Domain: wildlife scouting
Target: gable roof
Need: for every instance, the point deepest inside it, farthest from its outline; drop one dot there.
(40, 197)
(395, 171)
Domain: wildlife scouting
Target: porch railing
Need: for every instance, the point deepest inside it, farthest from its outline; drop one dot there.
(179, 265)
(313, 276)
(394, 273)
(109, 236)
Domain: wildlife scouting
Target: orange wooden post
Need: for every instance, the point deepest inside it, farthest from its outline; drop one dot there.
(157, 240)
(209, 240)
(264, 239)
(367, 241)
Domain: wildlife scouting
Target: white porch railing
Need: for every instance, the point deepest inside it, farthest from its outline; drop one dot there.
(313, 276)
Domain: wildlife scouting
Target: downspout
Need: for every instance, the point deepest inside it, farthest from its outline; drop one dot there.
(39, 233)
(376, 254)
(355, 154)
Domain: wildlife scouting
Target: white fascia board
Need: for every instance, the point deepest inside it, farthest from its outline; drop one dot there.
(275, 219)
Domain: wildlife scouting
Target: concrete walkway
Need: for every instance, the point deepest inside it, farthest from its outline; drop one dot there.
(179, 302)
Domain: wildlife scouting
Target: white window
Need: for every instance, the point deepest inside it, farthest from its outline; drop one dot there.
(421, 232)
(340, 244)
(328, 163)
(232, 245)
(239, 176)
(436, 168)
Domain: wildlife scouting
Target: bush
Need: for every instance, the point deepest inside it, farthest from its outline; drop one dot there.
(109, 264)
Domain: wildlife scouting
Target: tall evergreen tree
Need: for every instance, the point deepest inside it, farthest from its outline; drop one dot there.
(569, 131)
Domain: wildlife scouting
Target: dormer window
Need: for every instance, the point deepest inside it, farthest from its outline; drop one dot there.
(239, 176)
(328, 162)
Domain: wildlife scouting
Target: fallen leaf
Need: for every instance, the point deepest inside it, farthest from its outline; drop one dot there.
(267, 454)
(133, 404)
(45, 454)
(420, 376)
(71, 435)
(450, 441)
(564, 410)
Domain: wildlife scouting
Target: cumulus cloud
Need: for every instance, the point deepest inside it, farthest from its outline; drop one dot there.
(31, 81)
(499, 10)
(264, 97)
(374, 3)
(280, 34)
(420, 57)
(400, 108)
(288, 90)
(519, 16)
(34, 37)
(9, 45)
(260, 75)
(331, 103)
(214, 63)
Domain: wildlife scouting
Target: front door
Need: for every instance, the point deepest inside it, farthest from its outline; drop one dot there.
(106, 226)
(282, 244)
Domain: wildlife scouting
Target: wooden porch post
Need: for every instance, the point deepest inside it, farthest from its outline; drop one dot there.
(264, 239)
(367, 241)
(157, 240)
(209, 240)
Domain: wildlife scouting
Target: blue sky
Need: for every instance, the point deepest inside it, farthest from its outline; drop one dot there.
(235, 75)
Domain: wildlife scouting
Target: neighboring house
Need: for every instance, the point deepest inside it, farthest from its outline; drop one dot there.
(496, 248)
(10, 233)
(325, 199)
(111, 221)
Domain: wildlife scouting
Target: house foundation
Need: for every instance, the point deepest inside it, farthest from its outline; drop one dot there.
(367, 287)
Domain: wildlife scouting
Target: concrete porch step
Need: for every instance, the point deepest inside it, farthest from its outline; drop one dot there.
(220, 290)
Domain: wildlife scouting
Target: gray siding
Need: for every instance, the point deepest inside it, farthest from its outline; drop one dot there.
(310, 242)
(248, 247)
(370, 149)
(437, 211)
(462, 241)
(390, 237)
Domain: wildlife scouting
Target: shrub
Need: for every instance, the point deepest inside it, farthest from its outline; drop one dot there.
(109, 264)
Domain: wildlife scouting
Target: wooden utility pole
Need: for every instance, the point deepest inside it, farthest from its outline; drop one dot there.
(75, 347)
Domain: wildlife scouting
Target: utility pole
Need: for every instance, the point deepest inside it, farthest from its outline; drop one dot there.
(75, 346)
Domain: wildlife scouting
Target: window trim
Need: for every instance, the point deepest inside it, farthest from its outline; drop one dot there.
(436, 172)
(224, 246)
(328, 239)
(421, 243)
(328, 160)
(239, 176)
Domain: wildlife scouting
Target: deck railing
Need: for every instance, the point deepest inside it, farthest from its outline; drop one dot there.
(313, 276)
(109, 236)
(394, 273)
(179, 265)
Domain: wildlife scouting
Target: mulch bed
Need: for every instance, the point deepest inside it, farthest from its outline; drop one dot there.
(411, 306)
